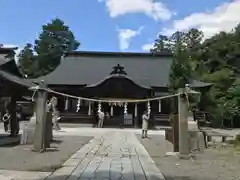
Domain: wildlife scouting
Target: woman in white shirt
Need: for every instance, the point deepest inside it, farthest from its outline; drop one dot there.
(145, 119)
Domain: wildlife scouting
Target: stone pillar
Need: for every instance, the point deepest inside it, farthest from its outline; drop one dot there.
(183, 125)
(40, 130)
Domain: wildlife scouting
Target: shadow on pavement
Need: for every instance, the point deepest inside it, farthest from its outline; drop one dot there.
(8, 141)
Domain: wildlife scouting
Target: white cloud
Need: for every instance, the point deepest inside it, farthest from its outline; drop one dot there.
(155, 10)
(223, 18)
(125, 36)
(147, 47)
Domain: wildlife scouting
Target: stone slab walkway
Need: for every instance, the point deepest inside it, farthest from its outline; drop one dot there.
(111, 156)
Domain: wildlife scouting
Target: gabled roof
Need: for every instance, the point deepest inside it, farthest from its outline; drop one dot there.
(10, 72)
(118, 54)
(87, 68)
(6, 50)
(199, 84)
(15, 79)
(115, 77)
(11, 67)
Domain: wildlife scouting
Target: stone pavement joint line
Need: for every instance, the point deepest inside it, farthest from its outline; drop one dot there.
(112, 156)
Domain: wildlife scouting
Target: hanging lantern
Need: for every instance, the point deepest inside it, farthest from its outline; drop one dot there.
(148, 107)
(78, 105)
(125, 108)
(135, 110)
(99, 107)
(89, 108)
(159, 106)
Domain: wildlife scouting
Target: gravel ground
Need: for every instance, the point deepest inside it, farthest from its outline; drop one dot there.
(215, 163)
(20, 157)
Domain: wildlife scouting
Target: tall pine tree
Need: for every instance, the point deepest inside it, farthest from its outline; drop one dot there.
(26, 61)
(54, 41)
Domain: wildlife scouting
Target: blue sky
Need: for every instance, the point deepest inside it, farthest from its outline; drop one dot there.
(115, 25)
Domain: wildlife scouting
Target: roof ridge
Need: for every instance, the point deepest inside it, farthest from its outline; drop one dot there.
(120, 54)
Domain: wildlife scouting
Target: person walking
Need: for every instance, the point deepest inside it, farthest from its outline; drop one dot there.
(145, 120)
(6, 120)
(6, 115)
(55, 113)
(101, 119)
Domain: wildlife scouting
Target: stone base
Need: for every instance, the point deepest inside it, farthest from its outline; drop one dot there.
(178, 155)
(174, 154)
(184, 156)
(196, 141)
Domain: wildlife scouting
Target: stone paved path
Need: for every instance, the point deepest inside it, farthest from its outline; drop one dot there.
(111, 156)
(22, 175)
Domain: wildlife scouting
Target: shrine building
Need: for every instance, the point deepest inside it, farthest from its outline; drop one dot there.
(101, 75)
(113, 76)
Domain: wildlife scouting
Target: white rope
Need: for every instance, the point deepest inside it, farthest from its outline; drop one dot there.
(110, 101)
(187, 98)
(34, 93)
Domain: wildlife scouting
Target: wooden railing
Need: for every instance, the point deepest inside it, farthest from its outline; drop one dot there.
(201, 118)
(162, 119)
(79, 117)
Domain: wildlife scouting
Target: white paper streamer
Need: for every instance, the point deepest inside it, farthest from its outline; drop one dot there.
(125, 108)
(135, 110)
(159, 106)
(89, 108)
(78, 105)
(111, 110)
(66, 104)
(148, 107)
(99, 107)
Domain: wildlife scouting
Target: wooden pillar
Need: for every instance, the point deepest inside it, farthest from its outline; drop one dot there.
(183, 125)
(135, 118)
(14, 124)
(40, 130)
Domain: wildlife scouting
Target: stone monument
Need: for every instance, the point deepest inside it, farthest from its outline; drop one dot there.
(29, 130)
(196, 138)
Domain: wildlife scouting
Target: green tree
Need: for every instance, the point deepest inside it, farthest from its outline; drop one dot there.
(193, 38)
(55, 40)
(180, 73)
(26, 60)
(162, 44)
